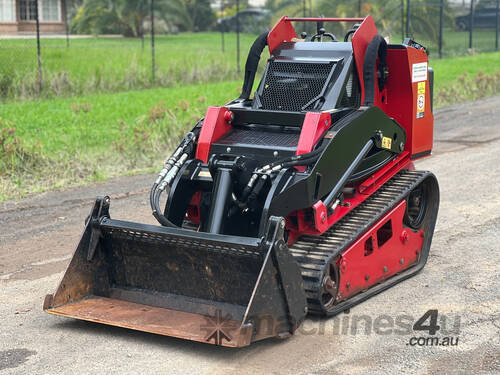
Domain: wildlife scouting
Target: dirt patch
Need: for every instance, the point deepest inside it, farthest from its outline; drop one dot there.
(13, 358)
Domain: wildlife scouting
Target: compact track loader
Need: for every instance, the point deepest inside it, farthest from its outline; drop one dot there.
(302, 199)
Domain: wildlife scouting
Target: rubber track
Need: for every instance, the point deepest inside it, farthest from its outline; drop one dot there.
(314, 253)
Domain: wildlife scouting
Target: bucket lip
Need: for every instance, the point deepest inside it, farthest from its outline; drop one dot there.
(223, 239)
(157, 320)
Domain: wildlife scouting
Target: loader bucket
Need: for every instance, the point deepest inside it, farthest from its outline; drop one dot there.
(218, 289)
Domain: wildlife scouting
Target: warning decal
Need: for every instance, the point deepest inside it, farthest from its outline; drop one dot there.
(420, 99)
(386, 143)
(419, 72)
(421, 87)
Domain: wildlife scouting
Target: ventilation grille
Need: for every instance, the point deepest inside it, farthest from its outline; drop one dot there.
(292, 86)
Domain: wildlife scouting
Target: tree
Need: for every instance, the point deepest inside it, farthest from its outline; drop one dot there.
(124, 17)
(187, 15)
(127, 17)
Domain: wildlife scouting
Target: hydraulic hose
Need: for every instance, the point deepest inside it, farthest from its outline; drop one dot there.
(166, 168)
(152, 197)
(169, 172)
(296, 160)
(167, 180)
(376, 48)
(157, 212)
(252, 64)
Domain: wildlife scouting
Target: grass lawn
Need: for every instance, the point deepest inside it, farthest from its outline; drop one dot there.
(447, 70)
(112, 64)
(116, 64)
(69, 141)
(91, 122)
(457, 42)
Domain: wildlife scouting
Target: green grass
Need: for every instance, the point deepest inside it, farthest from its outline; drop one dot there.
(69, 141)
(448, 70)
(456, 43)
(462, 78)
(89, 122)
(104, 64)
(64, 142)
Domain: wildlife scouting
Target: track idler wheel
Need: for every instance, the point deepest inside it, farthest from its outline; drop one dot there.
(330, 285)
(416, 206)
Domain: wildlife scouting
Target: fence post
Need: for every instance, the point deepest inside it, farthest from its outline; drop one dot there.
(402, 20)
(153, 67)
(441, 16)
(471, 22)
(238, 36)
(221, 25)
(310, 24)
(142, 37)
(497, 24)
(408, 15)
(304, 8)
(38, 49)
(144, 7)
(66, 22)
(359, 8)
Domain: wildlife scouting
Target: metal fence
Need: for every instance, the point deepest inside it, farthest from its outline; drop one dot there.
(59, 50)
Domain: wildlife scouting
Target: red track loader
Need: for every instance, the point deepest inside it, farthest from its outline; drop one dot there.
(301, 199)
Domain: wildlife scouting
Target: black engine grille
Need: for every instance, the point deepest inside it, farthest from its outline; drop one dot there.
(289, 86)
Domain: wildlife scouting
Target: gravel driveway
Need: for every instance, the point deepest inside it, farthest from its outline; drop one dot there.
(461, 281)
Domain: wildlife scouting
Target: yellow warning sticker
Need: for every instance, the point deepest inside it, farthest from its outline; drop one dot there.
(204, 174)
(420, 99)
(386, 143)
(421, 87)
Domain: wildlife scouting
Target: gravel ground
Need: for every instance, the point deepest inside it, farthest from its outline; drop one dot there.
(461, 281)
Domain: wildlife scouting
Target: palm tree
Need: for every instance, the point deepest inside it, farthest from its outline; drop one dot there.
(127, 16)
(112, 16)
